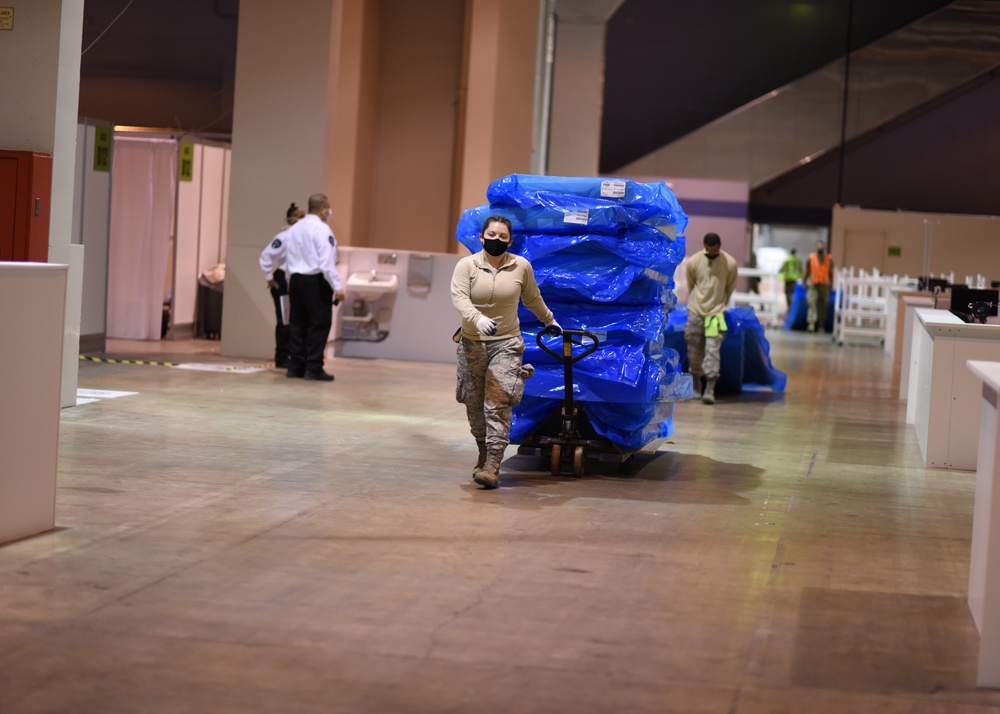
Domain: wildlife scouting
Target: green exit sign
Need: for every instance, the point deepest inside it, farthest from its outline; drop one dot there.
(895, 251)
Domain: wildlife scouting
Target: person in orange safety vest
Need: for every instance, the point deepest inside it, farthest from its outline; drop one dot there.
(818, 278)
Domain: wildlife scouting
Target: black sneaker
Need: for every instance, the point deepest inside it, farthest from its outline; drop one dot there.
(318, 377)
(292, 374)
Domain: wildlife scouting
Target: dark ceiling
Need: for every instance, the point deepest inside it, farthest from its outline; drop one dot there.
(160, 39)
(183, 52)
(671, 65)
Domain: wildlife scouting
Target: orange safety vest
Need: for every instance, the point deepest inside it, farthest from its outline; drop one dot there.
(819, 273)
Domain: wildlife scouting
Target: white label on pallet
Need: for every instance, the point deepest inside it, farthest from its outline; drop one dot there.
(613, 189)
(580, 217)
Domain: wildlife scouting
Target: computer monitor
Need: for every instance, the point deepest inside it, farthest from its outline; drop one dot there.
(974, 305)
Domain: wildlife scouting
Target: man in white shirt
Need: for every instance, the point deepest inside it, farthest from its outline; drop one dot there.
(313, 286)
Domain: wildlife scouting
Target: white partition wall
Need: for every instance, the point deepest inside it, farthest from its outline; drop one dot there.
(202, 205)
(213, 165)
(144, 181)
(224, 228)
(984, 560)
(904, 243)
(91, 228)
(187, 228)
(943, 396)
(32, 355)
(197, 226)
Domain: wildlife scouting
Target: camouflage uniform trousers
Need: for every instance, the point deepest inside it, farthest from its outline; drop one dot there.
(818, 301)
(490, 383)
(703, 352)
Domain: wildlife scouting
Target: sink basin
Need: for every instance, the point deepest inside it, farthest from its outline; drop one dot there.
(372, 285)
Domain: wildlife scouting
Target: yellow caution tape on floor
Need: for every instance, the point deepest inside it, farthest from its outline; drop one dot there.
(107, 360)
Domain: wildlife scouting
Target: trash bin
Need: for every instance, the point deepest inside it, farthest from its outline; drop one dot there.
(209, 309)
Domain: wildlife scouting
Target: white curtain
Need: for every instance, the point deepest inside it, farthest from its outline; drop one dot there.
(143, 184)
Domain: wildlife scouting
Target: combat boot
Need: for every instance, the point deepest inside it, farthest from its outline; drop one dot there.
(481, 443)
(708, 396)
(489, 475)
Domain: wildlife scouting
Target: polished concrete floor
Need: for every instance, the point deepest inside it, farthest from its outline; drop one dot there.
(237, 541)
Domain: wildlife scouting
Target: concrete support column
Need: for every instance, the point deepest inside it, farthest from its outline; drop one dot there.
(385, 107)
(40, 83)
(351, 107)
(578, 87)
(301, 125)
(497, 131)
(577, 97)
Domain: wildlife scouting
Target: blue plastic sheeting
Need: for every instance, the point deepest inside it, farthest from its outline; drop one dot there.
(608, 220)
(641, 246)
(569, 277)
(798, 313)
(604, 252)
(659, 426)
(622, 424)
(649, 203)
(651, 385)
(624, 368)
(745, 356)
(795, 318)
(647, 322)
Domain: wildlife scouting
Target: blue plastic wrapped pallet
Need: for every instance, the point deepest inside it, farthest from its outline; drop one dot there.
(630, 202)
(604, 252)
(745, 356)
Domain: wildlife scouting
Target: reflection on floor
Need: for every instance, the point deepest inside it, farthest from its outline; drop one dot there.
(242, 542)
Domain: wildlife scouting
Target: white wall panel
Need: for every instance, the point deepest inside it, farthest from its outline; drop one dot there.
(186, 251)
(91, 219)
(224, 231)
(210, 223)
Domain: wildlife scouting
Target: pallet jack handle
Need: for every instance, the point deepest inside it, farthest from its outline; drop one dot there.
(568, 359)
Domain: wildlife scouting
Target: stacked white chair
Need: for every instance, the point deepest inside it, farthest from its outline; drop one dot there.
(862, 303)
(768, 299)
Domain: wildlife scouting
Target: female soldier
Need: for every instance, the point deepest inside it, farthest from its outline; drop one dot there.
(272, 263)
(486, 288)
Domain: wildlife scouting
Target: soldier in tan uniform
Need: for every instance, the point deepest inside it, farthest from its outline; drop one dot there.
(486, 288)
(711, 279)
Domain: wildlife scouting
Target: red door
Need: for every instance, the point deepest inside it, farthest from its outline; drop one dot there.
(8, 203)
(25, 187)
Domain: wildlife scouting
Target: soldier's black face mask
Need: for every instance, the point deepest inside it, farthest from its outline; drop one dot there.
(495, 246)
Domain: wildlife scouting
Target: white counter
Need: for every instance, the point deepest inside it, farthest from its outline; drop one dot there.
(984, 562)
(31, 357)
(943, 396)
(902, 304)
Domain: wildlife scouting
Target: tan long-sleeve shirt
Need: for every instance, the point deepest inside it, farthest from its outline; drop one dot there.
(710, 283)
(477, 290)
